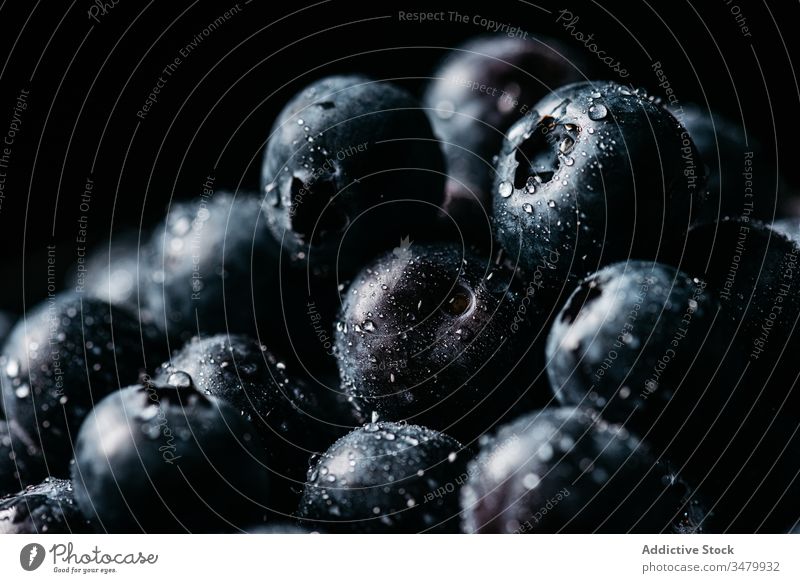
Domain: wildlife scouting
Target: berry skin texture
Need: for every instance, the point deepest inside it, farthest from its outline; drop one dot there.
(21, 462)
(643, 344)
(427, 333)
(479, 90)
(734, 162)
(46, 388)
(754, 441)
(168, 459)
(564, 470)
(754, 271)
(213, 268)
(597, 173)
(345, 155)
(295, 418)
(386, 477)
(788, 227)
(46, 508)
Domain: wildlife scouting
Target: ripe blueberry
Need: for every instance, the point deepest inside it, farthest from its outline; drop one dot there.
(61, 359)
(432, 334)
(295, 418)
(597, 173)
(478, 91)
(212, 267)
(740, 178)
(153, 458)
(756, 274)
(564, 470)
(386, 477)
(645, 345)
(351, 166)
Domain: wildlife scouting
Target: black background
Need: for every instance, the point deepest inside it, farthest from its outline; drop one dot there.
(87, 80)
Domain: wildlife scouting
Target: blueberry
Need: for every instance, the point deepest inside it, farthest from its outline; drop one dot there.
(754, 270)
(62, 358)
(154, 458)
(386, 477)
(645, 345)
(21, 462)
(741, 180)
(351, 166)
(598, 173)
(46, 508)
(213, 268)
(432, 334)
(477, 92)
(564, 470)
(295, 418)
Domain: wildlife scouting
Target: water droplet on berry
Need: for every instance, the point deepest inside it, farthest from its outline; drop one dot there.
(180, 380)
(597, 111)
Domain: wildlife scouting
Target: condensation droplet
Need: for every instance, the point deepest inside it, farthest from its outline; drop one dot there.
(597, 111)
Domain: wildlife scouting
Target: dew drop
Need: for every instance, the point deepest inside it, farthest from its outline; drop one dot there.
(12, 368)
(180, 380)
(506, 189)
(597, 112)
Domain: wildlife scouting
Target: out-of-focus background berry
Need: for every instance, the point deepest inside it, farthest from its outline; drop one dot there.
(86, 78)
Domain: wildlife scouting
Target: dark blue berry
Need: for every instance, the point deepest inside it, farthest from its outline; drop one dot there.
(351, 166)
(434, 335)
(386, 477)
(564, 470)
(597, 173)
(65, 356)
(477, 92)
(155, 458)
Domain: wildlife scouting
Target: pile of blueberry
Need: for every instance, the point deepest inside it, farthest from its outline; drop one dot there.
(551, 308)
